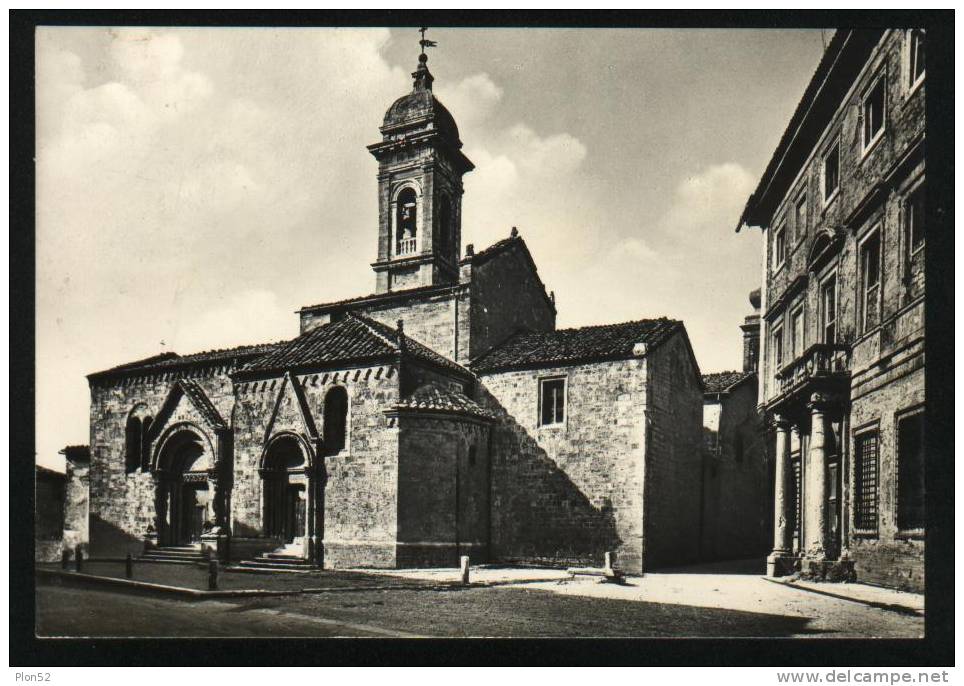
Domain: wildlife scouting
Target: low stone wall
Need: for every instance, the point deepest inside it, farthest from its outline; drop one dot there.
(48, 550)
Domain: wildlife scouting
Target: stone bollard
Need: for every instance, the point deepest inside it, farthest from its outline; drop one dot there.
(129, 566)
(212, 575)
(610, 558)
(79, 559)
(464, 568)
(64, 558)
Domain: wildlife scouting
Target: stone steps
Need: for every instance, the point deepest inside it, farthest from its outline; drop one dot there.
(283, 559)
(186, 555)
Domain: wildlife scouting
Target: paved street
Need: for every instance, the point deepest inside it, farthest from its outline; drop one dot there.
(658, 605)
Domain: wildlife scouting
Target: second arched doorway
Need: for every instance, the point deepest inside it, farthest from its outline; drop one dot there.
(285, 486)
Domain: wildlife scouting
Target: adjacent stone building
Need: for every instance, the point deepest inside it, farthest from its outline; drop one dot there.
(736, 510)
(842, 209)
(61, 502)
(444, 414)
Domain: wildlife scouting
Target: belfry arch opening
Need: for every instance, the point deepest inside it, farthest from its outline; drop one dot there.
(405, 222)
(445, 226)
(285, 490)
(183, 500)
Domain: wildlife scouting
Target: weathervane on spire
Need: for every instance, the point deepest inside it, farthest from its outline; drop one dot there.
(425, 42)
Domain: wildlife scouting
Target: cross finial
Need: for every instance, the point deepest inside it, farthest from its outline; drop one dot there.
(425, 42)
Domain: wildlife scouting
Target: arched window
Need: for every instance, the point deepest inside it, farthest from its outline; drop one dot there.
(132, 445)
(145, 444)
(405, 216)
(335, 419)
(445, 237)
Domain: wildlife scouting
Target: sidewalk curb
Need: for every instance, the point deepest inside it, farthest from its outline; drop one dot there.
(890, 607)
(196, 594)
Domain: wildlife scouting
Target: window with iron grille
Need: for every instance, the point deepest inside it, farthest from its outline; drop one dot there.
(910, 471)
(865, 486)
(552, 401)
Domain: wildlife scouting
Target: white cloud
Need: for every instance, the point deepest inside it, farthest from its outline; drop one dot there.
(713, 195)
(471, 101)
(555, 155)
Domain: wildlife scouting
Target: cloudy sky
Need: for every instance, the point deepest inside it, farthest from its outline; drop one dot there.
(197, 186)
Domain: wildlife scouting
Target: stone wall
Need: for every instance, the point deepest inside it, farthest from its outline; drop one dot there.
(432, 319)
(673, 416)
(507, 296)
(736, 516)
(122, 507)
(568, 493)
(77, 504)
(889, 557)
(359, 521)
(443, 490)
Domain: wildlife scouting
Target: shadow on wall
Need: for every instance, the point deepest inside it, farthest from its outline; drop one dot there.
(538, 514)
(107, 540)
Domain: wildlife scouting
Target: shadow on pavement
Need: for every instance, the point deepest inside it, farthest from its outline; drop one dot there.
(756, 566)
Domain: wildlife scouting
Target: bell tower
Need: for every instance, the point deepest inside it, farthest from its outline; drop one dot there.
(420, 169)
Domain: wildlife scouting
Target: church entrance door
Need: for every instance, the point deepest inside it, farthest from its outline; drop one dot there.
(183, 499)
(285, 501)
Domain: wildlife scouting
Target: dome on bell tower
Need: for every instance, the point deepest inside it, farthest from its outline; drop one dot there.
(420, 109)
(420, 169)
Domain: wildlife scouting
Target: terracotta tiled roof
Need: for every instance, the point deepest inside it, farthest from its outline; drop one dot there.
(566, 346)
(171, 360)
(352, 338)
(433, 398)
(372, 298)
(721, 382)
(492, 250)
(45, 472)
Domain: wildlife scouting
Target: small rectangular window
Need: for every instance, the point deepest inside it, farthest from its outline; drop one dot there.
(797, 332)
(870, 279)
(865, 487)
(828, 310)
(552, 401)
(778, 349)
(831, 172)
(910, 472)
(779, 245)
(914, 220)
(917, 37)
(873, 111)
(800, 217)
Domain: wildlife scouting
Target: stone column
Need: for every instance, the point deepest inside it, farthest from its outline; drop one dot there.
(310, 513)
(778, 561)
(816, 524)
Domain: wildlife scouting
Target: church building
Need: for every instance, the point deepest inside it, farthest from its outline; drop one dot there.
(442, 415)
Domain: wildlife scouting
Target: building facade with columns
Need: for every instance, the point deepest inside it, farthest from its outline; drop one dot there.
(841, 206)
(443, 414)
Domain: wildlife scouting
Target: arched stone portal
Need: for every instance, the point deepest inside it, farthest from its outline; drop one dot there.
(183, 496)
(286, 489)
